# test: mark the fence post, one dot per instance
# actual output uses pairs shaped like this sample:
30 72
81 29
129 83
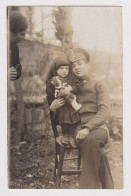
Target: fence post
19 111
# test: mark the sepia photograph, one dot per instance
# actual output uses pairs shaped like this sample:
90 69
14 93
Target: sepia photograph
65 97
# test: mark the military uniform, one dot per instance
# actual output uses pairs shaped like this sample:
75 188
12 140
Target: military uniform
94 114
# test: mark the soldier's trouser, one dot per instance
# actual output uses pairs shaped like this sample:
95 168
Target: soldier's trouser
96 172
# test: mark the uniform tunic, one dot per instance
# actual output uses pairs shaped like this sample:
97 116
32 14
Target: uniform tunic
96 107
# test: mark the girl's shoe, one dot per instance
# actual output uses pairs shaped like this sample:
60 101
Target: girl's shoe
65 140
72 141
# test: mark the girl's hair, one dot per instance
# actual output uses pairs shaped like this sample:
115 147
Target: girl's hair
58 62
61 61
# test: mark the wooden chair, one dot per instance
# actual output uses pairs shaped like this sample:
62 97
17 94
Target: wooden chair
60 151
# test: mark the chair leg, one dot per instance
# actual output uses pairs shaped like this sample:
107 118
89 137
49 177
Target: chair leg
60 164
57 152
56 167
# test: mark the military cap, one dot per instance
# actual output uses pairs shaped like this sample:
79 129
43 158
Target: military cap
76 54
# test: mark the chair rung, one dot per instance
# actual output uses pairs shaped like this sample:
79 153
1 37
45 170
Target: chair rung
73 158
71 172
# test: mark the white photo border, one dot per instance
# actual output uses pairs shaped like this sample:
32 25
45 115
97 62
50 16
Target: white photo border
126 16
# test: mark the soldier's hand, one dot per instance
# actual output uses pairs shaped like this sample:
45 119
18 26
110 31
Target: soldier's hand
82 133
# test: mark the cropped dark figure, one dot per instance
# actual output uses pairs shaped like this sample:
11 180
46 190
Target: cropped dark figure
67 115
91 132
17 30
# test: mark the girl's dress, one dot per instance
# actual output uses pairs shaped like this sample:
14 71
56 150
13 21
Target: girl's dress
65 114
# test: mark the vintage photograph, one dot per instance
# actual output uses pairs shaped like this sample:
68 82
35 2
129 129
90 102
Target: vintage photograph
65 89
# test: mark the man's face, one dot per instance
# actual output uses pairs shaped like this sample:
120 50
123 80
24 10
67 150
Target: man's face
17 37
80 68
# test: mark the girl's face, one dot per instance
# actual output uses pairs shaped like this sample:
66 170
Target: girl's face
63 71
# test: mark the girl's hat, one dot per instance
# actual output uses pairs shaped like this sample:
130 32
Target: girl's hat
60 61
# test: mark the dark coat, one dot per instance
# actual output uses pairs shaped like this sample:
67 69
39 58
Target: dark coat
14 60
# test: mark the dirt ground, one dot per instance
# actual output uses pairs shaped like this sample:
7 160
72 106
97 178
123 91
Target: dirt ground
32 165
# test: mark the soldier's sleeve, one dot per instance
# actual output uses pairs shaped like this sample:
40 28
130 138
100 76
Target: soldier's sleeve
104 107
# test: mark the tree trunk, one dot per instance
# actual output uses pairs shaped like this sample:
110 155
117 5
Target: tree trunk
63 26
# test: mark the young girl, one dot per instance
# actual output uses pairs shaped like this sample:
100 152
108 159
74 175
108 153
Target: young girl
67 115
